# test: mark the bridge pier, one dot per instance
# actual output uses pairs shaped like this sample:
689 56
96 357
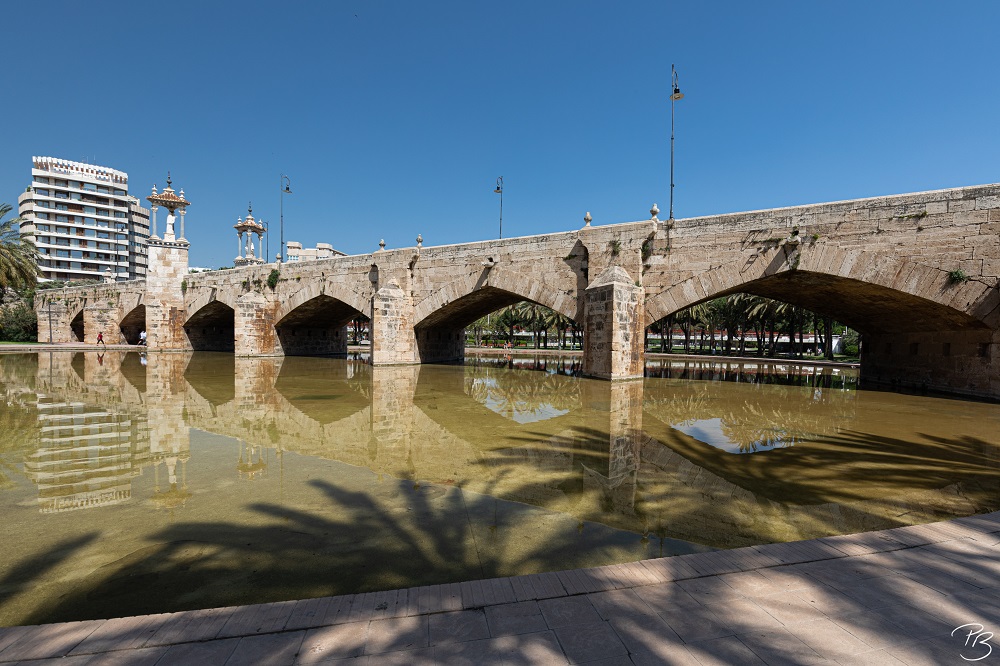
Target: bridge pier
53 321
254 325
394 341
613 327
99 317
166 281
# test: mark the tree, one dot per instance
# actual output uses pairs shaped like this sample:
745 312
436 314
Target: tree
18 255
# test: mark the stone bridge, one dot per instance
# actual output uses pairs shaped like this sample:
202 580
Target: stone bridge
916 274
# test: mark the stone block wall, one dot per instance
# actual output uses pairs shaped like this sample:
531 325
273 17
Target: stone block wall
613 327
964 362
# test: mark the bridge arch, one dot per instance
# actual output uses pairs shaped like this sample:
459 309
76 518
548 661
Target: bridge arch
314 326
868 292
77 328
212 328
132 324
336 292
466 299
204 297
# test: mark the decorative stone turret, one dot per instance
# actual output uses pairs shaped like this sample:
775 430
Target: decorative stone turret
166 274
246 254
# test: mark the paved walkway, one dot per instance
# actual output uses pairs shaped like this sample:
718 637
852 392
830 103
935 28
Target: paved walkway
889 597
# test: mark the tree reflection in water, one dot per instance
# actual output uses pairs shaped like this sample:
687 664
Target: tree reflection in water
404 475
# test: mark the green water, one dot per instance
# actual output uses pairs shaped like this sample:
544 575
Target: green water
137 485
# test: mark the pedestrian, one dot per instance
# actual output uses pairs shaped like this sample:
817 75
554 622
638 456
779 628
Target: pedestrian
142 338
100 339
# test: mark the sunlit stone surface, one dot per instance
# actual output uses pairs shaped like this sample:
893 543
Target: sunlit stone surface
138 485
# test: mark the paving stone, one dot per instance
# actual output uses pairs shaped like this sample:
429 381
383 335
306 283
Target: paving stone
140 657
744 615
121 633
10 635
645 633
789 609
667 598
49 640
874 629
827 600
208 652
83 660
708 590
829 639
267 650
522 617
458 626
451 597
873 658
696 623
487 651
567 611
337 641
617 604
748 583
781 646
402 633
307 613
583 642
724 651
503 591
419 657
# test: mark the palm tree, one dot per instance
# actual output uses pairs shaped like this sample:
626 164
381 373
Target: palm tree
18 254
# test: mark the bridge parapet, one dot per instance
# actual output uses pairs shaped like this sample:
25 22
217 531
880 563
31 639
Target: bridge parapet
921 263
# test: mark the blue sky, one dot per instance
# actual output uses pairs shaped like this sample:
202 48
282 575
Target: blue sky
395 118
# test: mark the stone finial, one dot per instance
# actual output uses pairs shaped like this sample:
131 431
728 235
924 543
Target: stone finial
653 212
587 219
277 258
381 245
420 240
108 278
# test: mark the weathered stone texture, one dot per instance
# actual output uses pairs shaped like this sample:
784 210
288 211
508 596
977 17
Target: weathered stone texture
881 265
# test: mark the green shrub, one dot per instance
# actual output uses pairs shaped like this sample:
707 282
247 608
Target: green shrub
272 279
18 323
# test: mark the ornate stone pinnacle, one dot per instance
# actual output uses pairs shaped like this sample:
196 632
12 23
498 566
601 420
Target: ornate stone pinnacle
654 211
381 245
420 240
587 218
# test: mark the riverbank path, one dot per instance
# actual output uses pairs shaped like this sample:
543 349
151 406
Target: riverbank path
926 594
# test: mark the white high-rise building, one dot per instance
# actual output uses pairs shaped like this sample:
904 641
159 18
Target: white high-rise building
84 222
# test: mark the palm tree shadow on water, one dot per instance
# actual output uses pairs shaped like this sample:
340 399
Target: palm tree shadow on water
352 544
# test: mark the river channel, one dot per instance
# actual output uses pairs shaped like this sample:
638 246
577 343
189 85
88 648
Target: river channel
133 484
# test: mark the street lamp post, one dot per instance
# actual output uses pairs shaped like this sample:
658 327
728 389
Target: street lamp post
499 191
285 186
675 95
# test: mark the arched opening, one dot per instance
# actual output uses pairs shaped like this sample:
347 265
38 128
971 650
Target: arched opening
76 327
212 328
317 327
133 324
441 336
905 340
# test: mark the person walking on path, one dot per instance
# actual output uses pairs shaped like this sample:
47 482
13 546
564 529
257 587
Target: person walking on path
100 339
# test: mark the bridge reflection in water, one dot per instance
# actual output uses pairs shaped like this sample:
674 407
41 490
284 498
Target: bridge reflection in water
134 485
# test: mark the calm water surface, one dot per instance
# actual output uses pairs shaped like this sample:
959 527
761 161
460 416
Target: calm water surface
132 485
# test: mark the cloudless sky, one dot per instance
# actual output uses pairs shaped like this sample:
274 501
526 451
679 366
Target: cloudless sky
395 118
